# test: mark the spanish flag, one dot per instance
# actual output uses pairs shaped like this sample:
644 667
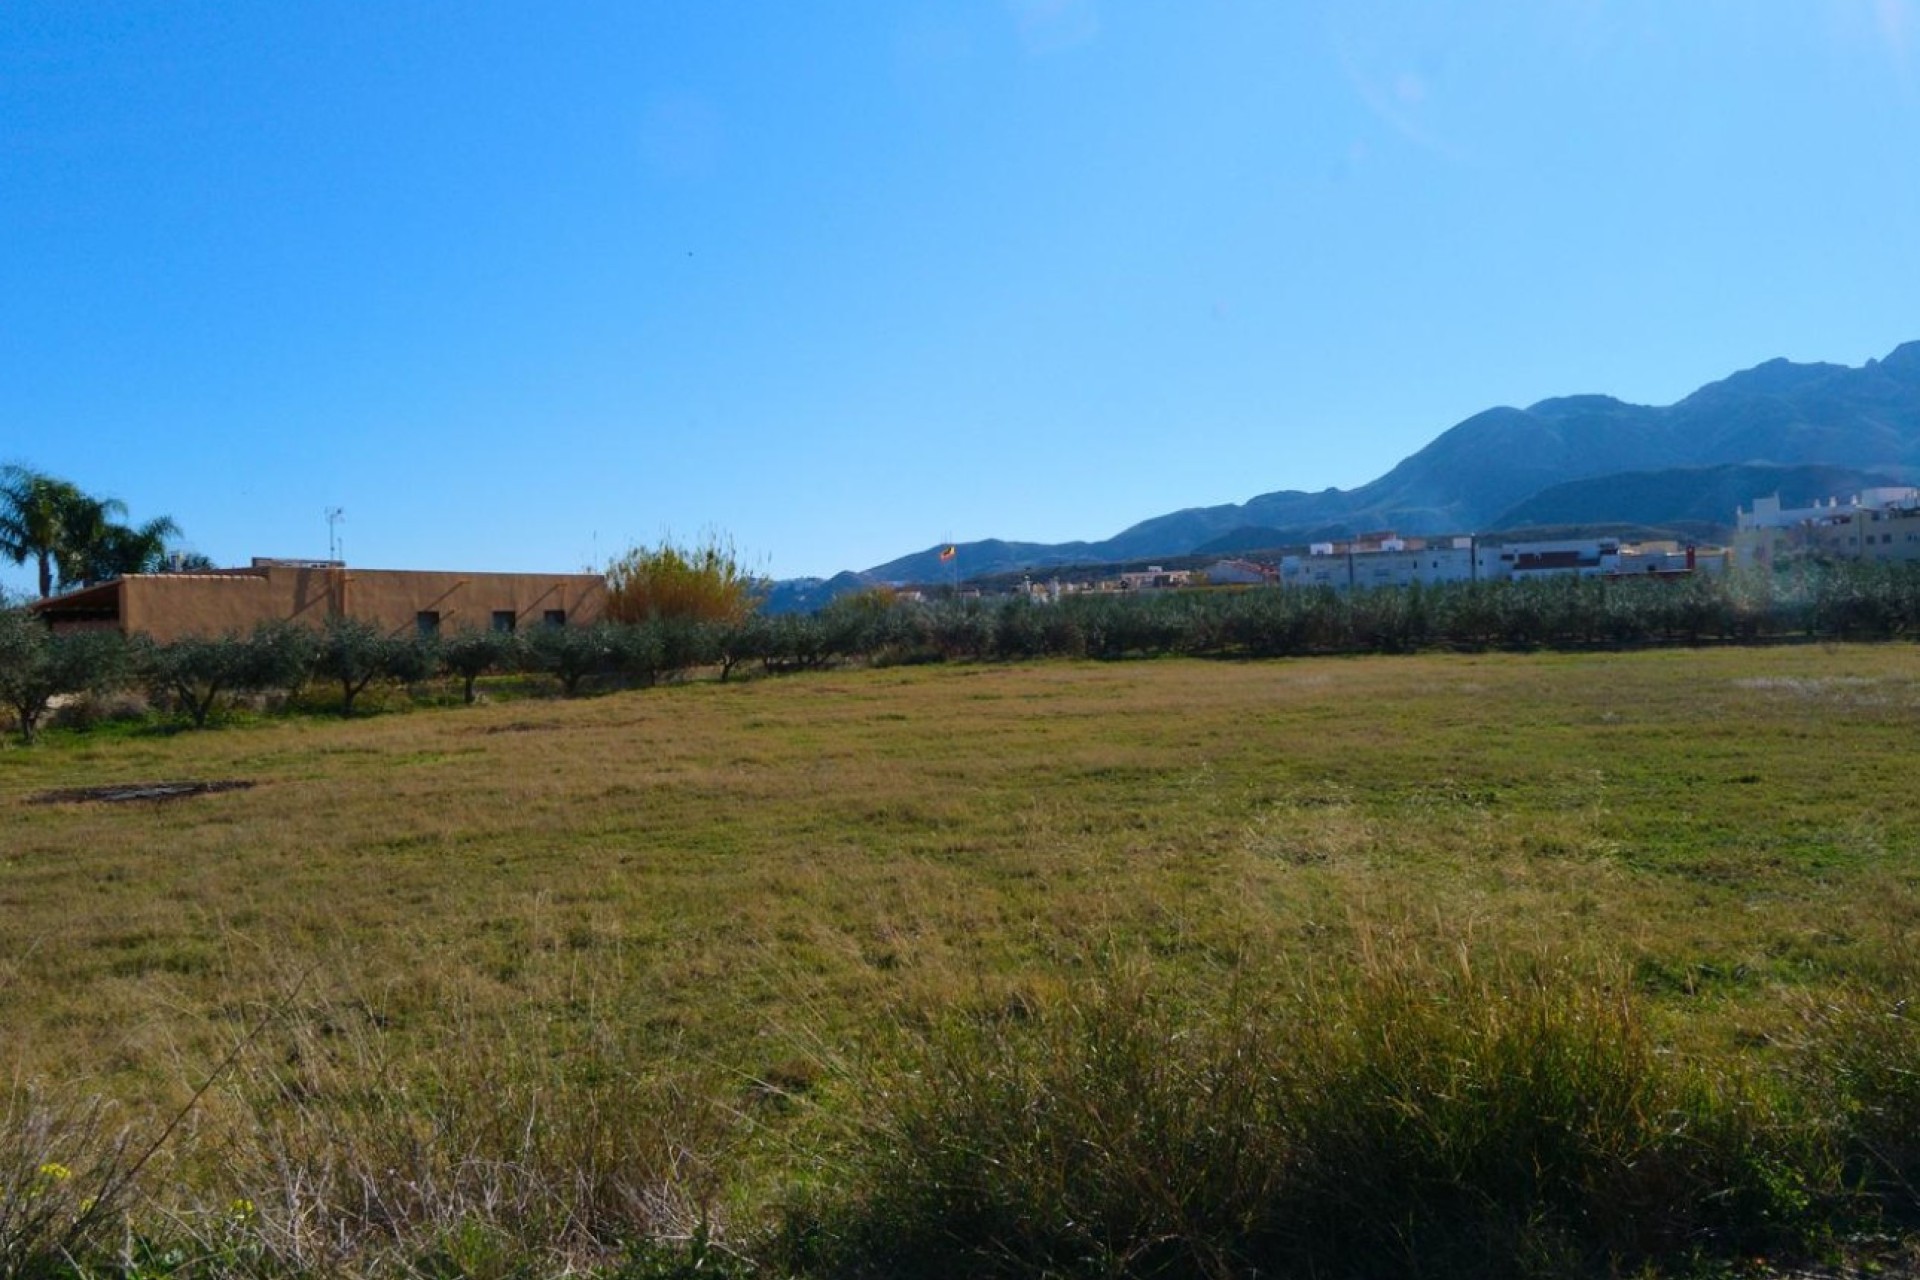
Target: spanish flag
948 553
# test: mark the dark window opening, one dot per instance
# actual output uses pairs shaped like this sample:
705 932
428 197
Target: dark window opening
556 617
428 623
504 620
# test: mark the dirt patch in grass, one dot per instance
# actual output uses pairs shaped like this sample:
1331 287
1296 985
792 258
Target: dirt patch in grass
123 792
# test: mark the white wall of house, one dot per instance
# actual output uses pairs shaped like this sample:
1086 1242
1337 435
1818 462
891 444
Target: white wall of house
1462 560
1880 524
1234 573
1399 568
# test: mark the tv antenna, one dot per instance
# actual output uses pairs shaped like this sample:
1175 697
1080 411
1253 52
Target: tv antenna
334 516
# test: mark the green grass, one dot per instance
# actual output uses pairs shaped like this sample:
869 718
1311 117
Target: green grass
698 923
1402 1117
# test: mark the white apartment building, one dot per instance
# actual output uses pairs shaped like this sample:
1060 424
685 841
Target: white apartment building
1880 524
1377 561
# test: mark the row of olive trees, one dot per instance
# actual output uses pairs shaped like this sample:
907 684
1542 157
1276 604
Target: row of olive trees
197 676
1845 602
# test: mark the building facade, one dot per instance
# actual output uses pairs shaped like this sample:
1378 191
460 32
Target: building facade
1876 524
1388 561
168 606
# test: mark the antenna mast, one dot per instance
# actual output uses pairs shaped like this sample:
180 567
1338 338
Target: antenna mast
334 516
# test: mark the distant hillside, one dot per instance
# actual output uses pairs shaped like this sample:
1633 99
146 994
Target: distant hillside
1707 495
1777 426
804 595
974 559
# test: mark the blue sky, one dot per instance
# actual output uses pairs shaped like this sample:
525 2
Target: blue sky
518 285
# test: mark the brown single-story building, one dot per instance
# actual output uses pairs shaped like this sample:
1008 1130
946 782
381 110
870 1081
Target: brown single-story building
215 602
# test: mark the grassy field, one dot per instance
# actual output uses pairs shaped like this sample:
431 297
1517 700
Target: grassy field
707 905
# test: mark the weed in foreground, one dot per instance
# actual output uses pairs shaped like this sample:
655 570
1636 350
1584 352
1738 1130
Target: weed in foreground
494 1157
1858 1064
1398 1120
63 1177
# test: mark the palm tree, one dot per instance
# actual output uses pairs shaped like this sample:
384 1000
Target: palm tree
85 528
35 509
53 523
113 550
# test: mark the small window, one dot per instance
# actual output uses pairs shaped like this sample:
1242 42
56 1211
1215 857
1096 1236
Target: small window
503 621
427 622
556 617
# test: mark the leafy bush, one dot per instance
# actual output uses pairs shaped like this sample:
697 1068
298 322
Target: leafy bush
704 582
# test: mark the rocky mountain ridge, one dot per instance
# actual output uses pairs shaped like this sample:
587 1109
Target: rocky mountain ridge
1777 426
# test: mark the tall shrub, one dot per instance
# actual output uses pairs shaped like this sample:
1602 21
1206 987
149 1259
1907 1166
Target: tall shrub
704 582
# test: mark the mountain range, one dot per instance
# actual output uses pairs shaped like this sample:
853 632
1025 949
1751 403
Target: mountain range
1803 430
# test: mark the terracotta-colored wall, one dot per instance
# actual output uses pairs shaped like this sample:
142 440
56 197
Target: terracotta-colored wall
168 606
393 599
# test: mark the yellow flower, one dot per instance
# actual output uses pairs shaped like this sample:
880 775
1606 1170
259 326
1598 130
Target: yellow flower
52 1172
241 1210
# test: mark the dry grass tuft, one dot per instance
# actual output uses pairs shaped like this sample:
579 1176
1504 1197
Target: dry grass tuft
1401 1115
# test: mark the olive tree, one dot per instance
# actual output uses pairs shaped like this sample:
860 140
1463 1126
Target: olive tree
37 666
571 654
471 652
748 640
195 672
354 654
278 656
